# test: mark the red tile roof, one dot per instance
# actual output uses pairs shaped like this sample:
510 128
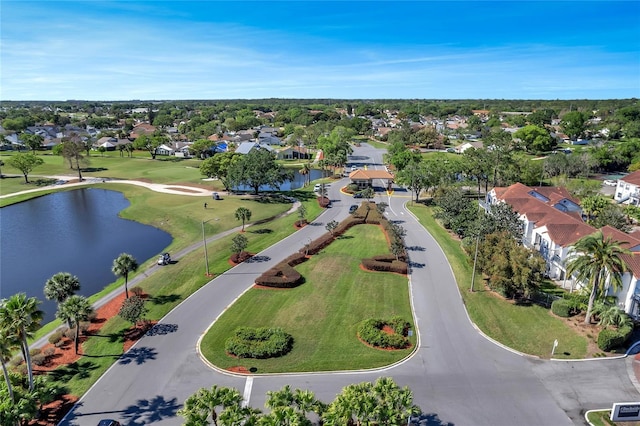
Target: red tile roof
633 178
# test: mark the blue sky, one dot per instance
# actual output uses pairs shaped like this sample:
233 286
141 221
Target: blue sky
123 50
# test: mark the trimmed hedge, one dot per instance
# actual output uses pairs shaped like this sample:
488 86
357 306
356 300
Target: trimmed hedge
283 275
264 342
609 338
561 308
370 331
385 263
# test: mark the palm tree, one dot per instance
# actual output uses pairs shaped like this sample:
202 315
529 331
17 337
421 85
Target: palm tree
305 171
202 405
122 266
596 261
75 309
20 316
243 214
7 344
60 286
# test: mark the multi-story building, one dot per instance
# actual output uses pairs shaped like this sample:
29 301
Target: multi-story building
553 222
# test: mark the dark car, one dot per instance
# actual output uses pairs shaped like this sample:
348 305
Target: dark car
357 195
108 422
353 208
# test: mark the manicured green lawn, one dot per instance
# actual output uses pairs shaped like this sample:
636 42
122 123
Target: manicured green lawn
529 329
171 285
322 314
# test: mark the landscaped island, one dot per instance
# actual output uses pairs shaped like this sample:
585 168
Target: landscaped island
322 314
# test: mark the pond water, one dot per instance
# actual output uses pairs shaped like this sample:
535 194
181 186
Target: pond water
296 183
75 231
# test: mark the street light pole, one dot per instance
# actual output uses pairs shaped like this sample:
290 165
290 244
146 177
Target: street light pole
206 255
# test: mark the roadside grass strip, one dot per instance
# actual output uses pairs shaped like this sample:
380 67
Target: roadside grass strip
528 329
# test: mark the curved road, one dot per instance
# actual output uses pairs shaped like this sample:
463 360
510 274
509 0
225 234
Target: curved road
458 376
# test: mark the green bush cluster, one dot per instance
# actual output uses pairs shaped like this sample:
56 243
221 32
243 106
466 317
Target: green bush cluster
561 308
385 263
370 331
264 342
611 338
56 336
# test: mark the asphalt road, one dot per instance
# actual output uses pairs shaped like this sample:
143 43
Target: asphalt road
458 376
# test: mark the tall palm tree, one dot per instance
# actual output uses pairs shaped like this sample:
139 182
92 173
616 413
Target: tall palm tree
7 344
60 286
75 309
595 260
243 214
305 171
122 266
20 316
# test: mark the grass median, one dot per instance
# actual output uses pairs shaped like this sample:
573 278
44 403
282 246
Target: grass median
322 314
528 329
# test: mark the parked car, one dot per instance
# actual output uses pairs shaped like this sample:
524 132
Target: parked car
357 195
164 259
108 422
353 208
610 182
354 168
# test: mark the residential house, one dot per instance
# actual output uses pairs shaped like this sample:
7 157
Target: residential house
110 143
553 222
294 153
628 189
178 149
246 147
465 146
142 129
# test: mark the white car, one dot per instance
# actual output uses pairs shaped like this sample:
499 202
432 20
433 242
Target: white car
610 182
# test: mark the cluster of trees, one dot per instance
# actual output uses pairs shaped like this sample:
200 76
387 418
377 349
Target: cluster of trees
20 397
381 402
493 241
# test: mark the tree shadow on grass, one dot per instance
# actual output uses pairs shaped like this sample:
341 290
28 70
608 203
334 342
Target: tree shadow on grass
261 231
165 298
80 369
138 355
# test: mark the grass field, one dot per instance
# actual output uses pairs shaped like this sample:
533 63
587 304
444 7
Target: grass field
529 329
323 313
171 285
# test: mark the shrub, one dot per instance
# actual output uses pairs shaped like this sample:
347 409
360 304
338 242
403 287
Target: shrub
561 308
324 202
70 333
49 352
38 359
137 291
248 342
385 263
56 336
609 339
35 351
370 331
